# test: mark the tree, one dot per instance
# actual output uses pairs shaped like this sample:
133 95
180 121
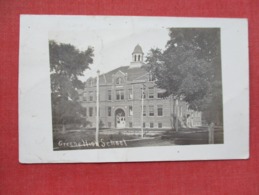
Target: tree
66 64
190 69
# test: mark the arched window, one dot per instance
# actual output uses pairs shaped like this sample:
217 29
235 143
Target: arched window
135 58
138 57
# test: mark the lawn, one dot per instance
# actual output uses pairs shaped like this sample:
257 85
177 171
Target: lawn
118 138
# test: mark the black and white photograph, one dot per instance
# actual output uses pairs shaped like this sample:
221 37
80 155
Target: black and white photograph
168 94
127 88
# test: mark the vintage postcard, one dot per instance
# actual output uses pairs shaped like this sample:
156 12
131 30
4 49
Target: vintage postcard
127 89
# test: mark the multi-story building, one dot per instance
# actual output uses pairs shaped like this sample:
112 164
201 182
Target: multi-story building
128 92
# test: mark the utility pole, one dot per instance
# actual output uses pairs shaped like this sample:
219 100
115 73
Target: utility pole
97 109
142 111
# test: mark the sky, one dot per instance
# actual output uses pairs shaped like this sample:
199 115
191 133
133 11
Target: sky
113 41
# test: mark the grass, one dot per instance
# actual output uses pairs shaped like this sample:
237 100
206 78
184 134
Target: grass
118 138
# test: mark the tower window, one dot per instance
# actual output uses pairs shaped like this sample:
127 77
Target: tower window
135 58
138 57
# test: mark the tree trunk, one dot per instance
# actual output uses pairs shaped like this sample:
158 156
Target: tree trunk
63 128
211 133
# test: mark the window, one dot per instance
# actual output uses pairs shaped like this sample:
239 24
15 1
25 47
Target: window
160 125
119 81
85 97
159 110
143 93
90 111
151 92
144 111
130 111
130 124
85 112
151 110
130 94
151 77
159 95
91 82
151 125
91 96
109 94
138 57
109 111
120 94
144 125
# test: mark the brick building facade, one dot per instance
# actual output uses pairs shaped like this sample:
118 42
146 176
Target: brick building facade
120 100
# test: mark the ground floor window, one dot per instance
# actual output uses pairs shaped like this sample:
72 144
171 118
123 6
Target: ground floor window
144 125
151 125
130 111
160 125
130 124
109 111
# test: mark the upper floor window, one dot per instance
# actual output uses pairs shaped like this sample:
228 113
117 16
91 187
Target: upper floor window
109 94
159 110
85 97
159 95
91 96
151 77
144 110
91 83
151 110
120 94
130 94
119 81
151 92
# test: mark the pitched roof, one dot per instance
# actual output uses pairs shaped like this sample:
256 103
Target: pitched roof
132 73
138 49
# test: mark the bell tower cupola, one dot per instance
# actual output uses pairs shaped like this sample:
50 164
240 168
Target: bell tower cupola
137 57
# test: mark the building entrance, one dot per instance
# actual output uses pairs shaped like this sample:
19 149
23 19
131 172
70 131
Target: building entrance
120 118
